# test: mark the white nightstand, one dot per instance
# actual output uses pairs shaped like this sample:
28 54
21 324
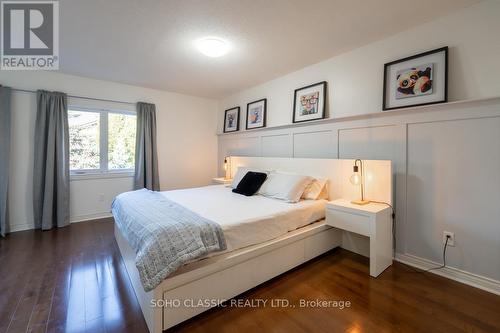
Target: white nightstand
221 180
372 220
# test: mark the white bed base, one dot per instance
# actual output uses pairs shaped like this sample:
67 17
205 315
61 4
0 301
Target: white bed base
227 275
230 274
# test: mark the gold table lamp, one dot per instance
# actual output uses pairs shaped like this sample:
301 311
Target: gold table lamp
357 178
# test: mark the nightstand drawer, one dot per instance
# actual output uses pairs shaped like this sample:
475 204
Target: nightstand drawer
357 223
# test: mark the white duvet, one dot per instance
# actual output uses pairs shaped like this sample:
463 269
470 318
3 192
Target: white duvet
245 220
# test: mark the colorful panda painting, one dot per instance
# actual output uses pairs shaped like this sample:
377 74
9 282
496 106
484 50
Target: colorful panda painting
415 81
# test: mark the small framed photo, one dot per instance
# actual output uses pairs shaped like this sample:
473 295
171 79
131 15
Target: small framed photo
256 114
309 102
421 79
232 120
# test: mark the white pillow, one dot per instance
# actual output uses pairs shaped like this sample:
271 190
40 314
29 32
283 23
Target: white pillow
315 190
241 172
323 194
288 187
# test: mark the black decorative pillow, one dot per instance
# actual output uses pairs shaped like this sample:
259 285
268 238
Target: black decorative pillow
250 183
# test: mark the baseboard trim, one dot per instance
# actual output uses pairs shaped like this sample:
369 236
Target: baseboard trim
88 217
474 280
21 227
73 219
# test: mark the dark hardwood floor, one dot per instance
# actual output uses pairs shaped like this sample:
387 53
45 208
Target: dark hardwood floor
73 280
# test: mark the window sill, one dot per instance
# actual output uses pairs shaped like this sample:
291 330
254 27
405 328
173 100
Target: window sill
107 175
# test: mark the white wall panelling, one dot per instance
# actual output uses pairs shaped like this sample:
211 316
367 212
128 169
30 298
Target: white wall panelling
457 143
249 146
276 145
315 144
453 184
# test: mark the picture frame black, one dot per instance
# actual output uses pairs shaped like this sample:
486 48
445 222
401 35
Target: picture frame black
264 114
322 115
444 49
226 112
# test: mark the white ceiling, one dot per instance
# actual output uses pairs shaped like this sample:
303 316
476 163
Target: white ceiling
150 43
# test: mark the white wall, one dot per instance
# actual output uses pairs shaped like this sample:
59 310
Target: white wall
187 144
445 157
355 78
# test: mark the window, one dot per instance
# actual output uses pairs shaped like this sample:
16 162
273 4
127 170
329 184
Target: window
101 141
121 141
84 130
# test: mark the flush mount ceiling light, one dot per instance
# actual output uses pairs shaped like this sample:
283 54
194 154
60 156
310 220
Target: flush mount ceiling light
212 47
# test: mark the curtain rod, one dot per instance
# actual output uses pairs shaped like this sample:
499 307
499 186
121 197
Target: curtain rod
80 97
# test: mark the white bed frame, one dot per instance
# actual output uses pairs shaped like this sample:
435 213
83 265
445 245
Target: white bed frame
225 276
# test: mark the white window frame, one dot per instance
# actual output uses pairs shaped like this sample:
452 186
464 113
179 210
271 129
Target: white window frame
103 171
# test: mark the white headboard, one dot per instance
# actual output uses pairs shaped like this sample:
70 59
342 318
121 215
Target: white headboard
378 174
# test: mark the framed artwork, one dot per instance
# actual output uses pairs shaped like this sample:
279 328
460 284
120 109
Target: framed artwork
256 114
421 79
309 102
232 120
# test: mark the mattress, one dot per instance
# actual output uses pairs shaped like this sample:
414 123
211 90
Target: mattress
245 220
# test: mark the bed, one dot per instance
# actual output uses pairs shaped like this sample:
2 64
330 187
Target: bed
264 237
248 220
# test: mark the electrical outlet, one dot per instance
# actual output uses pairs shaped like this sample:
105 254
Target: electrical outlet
101 197
451 239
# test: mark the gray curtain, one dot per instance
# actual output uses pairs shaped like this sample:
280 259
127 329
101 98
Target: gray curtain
51 167
146 161
4 156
